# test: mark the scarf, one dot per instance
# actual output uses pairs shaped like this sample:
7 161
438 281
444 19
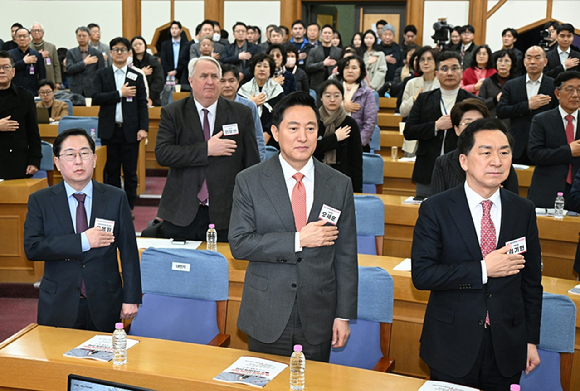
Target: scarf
271 89
38 46
280 71
331 122
349 93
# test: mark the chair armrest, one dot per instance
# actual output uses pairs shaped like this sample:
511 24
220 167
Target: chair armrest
221 340
385 364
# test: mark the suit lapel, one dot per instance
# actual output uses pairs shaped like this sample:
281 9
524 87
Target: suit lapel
191 116
544 87
509 216
321 191
275 187
60 204
461 215
99 201
221 115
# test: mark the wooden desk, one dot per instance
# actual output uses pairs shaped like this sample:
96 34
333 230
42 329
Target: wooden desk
387 105
34 360
389 121
48 132
14 266
390 138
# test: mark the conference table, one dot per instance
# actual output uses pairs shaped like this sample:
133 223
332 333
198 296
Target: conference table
33 360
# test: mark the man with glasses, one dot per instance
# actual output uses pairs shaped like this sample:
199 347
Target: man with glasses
240 52
430 120
82 63
76 228
49 54
123 117
28 63
19 138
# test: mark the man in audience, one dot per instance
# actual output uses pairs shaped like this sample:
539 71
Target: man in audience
509 37
95 42
203 160
322 59
172 59
217 34
430 120
410 33
123 117
206 30
524 97
286 36
551 26
467 47
28 63
240 52
392 51
9 45
277 35
253 35
302 277
230 84
563 58
379 28
554 145
82 64
20 150
49 54
264 45
312 34
482 322
302 45
82 287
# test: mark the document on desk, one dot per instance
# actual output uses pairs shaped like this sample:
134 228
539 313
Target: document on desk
431 385
575 290
253 371
99 348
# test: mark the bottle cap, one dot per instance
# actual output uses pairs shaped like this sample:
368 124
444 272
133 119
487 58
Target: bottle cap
515 387
119 325
297 348
560 194
212 226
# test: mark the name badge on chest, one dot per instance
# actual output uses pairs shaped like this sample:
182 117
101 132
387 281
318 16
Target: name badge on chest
518 246
131 76
231 130
330 214
105 225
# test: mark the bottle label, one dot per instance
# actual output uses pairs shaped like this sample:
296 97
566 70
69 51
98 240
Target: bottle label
518 246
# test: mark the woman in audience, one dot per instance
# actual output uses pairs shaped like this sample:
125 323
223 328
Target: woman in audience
150 67
56 108
339 143
206 46
299 74
481 68
359 101
405 71
425 82
492 87
263 91
374 60
447 172
336 39
281 75
357 41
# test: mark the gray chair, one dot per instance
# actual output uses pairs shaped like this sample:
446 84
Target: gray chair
373 169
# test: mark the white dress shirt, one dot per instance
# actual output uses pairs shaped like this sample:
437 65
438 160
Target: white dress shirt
72 206
564 55
533 87
120 74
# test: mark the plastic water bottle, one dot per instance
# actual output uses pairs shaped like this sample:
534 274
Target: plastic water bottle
94 135
211 238
515 387
297 365
559 207
119 345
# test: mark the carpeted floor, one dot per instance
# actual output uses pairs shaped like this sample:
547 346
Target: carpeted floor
15 314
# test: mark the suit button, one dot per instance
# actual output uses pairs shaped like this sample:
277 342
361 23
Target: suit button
83 266
299 260
481 322
293 285
489 295
284 261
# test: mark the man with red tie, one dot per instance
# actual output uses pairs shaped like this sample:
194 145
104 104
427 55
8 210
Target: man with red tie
554 145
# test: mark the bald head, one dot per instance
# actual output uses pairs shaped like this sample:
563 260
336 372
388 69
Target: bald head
535 61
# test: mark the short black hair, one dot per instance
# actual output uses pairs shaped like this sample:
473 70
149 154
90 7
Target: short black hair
16 25
381 21
276 30
175 22
299 98
551 23
470 104
118 40
83 28
420 53
290 48
343 63
298 21
469 28
57 145
240 24
258 30
92 25
467 137
564 77
506 52
46 82
328 82
510 30
231 68
258 58
327 26
314 24
447 55
5 54
197 29
565 27
410 28
281 48
207 21
286 31
485 47
23 28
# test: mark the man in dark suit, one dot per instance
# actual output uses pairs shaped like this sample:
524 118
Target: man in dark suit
20 150
293 218
175 53
82 63
554 145
467 48
482 322
203 160
76 228
240 52
322 59
123 116
563 58
430 120
524 97
28 63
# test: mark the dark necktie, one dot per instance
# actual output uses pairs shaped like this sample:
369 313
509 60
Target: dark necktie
203 194
570 137
299 202
488 241
82 226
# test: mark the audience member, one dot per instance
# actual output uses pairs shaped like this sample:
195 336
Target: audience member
276 36
218 34
336 39
298 73
313 34
173 61
379 28
524 97
301 44
563 58
82 64
9 45
203 160
339 144
393 55
430 122
454 43
56 108
264 45
206 30
409 33
322 59
286 36
95 42
240 52
49 54
28 63
150 67
492 87
82 287
425 82
19 138
312 288
374 60
403 72
552 27
358 39
480 69
509 37
467 48
253 35
281 75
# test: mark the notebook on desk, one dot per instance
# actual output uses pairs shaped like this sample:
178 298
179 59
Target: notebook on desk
81 383
42 115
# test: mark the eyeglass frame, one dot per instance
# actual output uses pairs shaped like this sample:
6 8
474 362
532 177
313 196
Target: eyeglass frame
88 155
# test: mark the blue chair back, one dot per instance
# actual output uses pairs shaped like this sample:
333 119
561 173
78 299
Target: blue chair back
47 162
270 151
70 106
556 336
373 169
375 306
313 95
180 288
375 143
370 222
86 123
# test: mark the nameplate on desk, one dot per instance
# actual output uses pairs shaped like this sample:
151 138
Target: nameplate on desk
182 267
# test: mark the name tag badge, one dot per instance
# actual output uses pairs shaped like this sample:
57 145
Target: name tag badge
330 214
105 225
518 245
182 267
129 99
230 130
132 76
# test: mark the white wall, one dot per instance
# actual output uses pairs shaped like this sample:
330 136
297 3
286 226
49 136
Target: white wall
567 11
256 13
456 12
515 14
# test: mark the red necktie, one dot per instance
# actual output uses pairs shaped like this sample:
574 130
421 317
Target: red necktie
299 202
570 137
462 51
203 194
488 241
82 226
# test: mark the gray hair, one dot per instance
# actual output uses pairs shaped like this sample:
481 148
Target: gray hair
41 26
194 61
83 28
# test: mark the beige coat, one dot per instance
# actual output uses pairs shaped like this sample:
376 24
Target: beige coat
376 71
53 72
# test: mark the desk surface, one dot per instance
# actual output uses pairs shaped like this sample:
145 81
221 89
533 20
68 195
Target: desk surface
34 360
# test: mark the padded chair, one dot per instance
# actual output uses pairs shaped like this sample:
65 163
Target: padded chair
556 348
370 224
69 104
375 143
86 123
46 169
370 334
185 296
373 169
271 151
314 95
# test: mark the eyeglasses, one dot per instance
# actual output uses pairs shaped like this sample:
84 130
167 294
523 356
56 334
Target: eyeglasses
45 92
119 50
453 69
571 90
331 97
70 156
37 30
426 60
7 68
